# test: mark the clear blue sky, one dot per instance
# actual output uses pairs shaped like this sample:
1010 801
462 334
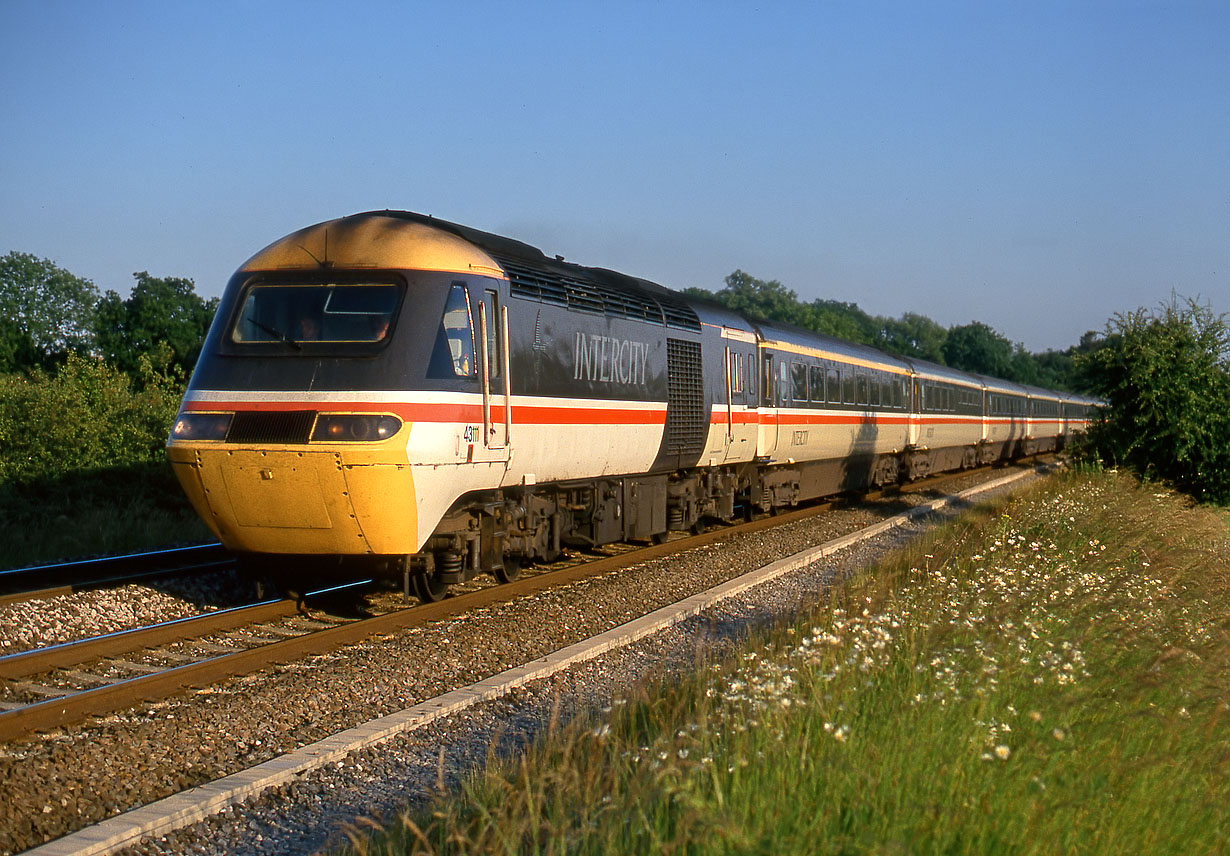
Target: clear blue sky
1034 165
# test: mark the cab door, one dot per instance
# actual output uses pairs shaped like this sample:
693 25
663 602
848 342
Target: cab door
915 403
494 375
741 413
770 413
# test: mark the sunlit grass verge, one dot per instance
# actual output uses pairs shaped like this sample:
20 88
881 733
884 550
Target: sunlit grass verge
1048 676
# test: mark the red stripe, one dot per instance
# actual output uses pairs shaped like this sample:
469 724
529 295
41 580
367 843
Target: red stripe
738 417
527 414
451 413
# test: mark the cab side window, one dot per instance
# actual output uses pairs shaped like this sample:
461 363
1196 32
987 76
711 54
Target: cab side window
453 355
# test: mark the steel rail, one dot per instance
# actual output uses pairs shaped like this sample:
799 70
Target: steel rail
77 705
196 549
81 651
81 574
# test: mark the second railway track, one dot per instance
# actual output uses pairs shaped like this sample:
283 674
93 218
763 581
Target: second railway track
47 687
18 585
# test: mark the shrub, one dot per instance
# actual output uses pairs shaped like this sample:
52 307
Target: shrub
87 415
1165 376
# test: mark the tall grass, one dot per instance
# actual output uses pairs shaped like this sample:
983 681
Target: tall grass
1047 676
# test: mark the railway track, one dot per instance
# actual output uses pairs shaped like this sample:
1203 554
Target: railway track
18 585
47 687
50 687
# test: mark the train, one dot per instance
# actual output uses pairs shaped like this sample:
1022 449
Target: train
427 400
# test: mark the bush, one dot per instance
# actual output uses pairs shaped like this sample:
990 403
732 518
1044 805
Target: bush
1165 376
82 463
86 416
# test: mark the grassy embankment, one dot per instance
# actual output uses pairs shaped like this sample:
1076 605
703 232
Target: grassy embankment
100 512
1050 675
82 465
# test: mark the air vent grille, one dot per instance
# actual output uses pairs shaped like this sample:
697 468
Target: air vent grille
687 423
597 297
286 426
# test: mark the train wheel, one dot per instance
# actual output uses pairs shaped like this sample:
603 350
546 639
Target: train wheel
430 588
510 570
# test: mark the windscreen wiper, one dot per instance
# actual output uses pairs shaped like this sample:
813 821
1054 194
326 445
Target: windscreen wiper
276 333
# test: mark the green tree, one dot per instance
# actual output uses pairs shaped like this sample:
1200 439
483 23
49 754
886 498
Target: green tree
766 300
913 335
1024 366
842 320
45 312
1080 375
1165 376
975 347
1055 369
158 311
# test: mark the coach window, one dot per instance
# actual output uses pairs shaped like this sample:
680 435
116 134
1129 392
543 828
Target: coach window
798 382
834 386
734 368
783 382
817 384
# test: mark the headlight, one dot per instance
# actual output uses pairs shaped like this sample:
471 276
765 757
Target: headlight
201 426
354 429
